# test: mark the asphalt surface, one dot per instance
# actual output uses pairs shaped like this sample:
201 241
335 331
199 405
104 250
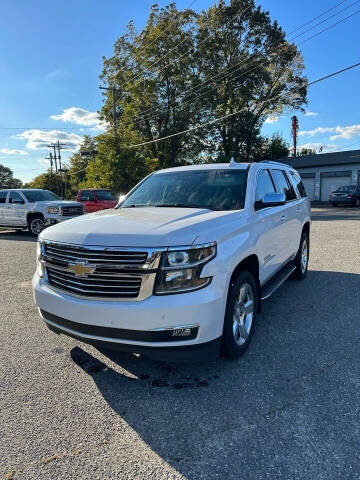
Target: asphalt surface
288 409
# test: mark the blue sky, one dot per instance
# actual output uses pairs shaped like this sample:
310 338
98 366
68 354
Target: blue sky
51 56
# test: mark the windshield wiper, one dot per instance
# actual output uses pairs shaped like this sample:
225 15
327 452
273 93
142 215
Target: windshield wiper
184 205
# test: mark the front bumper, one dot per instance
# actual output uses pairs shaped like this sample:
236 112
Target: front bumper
135 326
342 201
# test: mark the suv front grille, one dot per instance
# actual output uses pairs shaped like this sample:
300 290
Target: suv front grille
109 273
71 211
99 256
95 285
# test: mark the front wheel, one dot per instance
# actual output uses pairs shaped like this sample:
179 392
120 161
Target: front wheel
36 225
240 315
302 258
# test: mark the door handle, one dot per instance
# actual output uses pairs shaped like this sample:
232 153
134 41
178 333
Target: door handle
298 210
283 218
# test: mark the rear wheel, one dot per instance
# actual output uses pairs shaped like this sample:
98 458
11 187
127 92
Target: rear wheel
36 225
240 315
302 258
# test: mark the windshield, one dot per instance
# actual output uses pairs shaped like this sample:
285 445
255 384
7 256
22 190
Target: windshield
346 188
104 195
210 189
39 195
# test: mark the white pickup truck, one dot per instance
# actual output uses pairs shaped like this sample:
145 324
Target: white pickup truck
178 270
34 209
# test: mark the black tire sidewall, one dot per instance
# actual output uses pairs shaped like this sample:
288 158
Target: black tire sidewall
229 348
299 274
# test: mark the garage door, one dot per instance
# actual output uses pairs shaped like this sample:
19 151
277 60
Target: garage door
329 184
309 184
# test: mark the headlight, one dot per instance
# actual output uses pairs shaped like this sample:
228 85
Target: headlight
53 209
180 269
39 269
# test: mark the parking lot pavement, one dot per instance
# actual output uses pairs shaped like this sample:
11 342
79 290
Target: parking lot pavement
288 409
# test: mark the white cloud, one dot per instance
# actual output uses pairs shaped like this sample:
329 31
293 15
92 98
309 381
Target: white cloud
316 131
40 139
272 119
311 114
346 132
317 146
80 116
13 152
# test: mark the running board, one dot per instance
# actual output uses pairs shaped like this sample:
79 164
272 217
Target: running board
277 280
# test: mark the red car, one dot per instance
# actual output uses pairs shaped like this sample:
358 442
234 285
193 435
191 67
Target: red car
96 199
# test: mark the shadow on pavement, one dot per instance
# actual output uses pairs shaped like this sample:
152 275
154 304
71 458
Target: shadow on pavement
20 236
335 213
221 418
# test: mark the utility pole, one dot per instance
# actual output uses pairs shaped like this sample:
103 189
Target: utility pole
114 98
294 132
57 147
50 158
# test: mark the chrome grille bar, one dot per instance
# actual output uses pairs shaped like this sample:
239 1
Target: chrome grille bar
108 273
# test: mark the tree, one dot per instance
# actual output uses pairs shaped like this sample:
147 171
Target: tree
45 181
7 179
257 73
306 151
274 148
116 168
184 69
79 163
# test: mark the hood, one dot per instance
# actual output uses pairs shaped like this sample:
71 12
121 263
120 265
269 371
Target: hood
141 227
58 203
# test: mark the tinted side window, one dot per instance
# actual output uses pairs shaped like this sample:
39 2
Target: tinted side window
15 197
283 185
264 185
87 196
3 194
299 184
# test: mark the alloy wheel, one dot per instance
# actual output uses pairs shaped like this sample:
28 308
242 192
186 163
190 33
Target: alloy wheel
304 255
243 314
37 226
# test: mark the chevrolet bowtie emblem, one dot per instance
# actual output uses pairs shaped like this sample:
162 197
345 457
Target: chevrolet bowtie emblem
81 269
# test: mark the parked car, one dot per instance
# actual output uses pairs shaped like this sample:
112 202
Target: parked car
346 195
34 209
95 199
180 268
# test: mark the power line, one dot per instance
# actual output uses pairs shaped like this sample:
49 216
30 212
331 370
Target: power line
185 53
195 127
333 74
222 76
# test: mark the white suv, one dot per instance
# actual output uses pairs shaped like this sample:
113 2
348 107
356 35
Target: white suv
34 209
178 270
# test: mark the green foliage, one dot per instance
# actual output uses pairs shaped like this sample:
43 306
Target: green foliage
7 179
273 148
306 151
249 68
116 168
78 165
45 181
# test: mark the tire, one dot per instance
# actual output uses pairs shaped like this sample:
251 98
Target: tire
36 225
357 203
302 258
238 325
334 204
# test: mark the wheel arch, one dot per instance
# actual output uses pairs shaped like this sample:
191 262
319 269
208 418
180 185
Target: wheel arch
250 264
306 228
31 215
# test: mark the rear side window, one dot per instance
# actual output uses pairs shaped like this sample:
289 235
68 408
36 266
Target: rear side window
87 196
299 184
3 194
282 184
15 197
264 185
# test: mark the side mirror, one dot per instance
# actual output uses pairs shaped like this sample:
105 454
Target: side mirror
273 200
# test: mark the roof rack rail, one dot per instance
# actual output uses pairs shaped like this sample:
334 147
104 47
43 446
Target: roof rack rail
275 163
